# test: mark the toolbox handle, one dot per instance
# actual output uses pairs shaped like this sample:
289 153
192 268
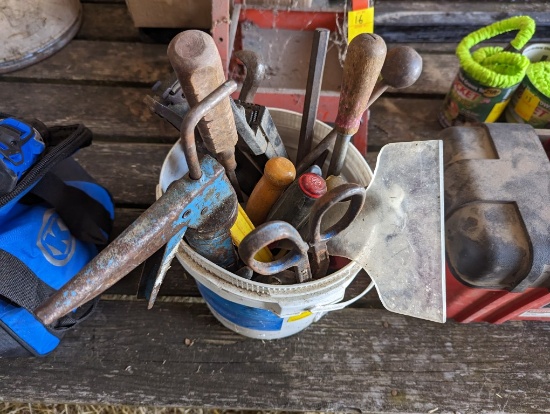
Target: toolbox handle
341 305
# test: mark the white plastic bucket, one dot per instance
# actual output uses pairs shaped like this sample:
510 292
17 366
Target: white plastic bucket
260 310
32 30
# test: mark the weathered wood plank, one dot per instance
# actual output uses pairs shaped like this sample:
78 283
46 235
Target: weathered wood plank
129 171
118 113
107 22
92 61
138 63
401 119
111 112
438 13
351 360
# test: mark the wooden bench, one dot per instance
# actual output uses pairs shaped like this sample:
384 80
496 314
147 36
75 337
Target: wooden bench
362 358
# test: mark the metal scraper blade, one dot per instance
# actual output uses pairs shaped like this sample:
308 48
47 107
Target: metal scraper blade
398 237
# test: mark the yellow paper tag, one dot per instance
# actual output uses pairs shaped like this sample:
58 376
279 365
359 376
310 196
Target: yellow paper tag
360 21
527 104
496 111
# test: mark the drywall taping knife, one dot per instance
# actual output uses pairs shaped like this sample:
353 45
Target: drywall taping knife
188 202
398 237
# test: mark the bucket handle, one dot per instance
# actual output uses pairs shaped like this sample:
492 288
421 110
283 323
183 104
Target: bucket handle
341 305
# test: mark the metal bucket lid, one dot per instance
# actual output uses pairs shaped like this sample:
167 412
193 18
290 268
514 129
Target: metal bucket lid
35 29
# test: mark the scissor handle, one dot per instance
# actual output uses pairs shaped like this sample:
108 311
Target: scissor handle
353 192
270 232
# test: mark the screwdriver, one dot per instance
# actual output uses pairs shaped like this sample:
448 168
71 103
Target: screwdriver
402 68
195 59
296 202
364 60
279 173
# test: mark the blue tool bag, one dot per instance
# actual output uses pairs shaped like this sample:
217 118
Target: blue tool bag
54 218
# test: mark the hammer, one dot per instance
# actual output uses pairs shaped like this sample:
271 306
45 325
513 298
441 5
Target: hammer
402 68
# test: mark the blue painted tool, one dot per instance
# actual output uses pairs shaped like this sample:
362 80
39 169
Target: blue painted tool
188 202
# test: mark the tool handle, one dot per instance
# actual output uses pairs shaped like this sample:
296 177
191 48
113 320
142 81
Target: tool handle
241 228
355 193
198 66
364 60
271 232
279 173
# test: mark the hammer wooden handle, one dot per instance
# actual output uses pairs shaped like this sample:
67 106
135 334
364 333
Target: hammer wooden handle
198 66
279 173
364 60
402 68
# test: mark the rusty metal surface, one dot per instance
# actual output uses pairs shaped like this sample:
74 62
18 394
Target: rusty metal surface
313 91
398 236
271 232
179 206
317 238
192 118
190 201
255 74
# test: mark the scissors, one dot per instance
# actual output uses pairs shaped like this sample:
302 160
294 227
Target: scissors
308 258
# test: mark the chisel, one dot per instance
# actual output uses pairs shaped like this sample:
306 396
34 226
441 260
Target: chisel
198 66
364 60
313 91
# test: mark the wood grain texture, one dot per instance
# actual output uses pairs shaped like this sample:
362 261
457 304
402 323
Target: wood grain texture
110 112
101 62
135 64
107 22
417 120
351 360
130 171
434 13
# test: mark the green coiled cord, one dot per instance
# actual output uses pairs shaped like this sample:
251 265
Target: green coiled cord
539 75
494 66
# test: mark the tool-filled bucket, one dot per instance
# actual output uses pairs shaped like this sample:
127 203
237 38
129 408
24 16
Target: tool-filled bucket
260 310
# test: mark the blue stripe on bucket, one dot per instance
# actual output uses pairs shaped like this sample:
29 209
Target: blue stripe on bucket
245 316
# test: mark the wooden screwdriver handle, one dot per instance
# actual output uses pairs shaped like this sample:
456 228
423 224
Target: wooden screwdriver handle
364 60
279 173
198 66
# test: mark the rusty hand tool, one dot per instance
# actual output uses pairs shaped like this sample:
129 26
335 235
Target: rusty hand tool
294 205
402 68
315 243
255 74
313 91
271 232
190 201
198 66
257 132
279 173
364 60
